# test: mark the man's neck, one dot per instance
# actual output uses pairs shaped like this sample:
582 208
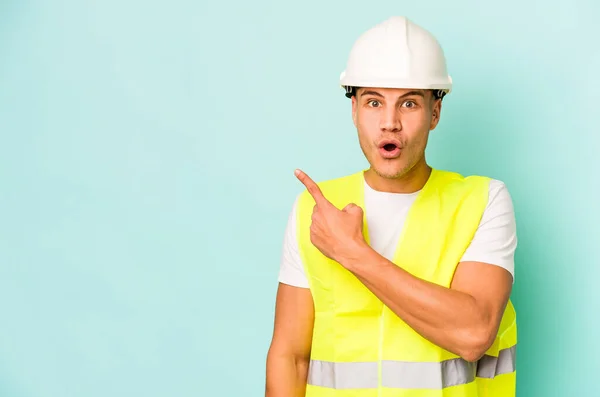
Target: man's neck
411 182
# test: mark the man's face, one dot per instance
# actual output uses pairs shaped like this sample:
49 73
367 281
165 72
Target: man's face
393 127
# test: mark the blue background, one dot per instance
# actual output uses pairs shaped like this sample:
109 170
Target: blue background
147 152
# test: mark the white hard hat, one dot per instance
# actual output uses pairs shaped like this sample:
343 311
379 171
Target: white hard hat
397 53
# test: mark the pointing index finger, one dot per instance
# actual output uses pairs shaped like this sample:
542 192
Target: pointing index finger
312 188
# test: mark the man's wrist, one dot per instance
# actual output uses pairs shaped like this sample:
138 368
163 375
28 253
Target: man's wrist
357 256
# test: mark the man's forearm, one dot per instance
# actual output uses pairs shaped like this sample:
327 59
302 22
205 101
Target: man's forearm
286 376
451 319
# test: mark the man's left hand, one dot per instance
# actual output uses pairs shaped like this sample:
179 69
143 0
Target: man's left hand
338 234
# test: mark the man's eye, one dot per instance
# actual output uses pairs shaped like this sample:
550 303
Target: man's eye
373 103
410 104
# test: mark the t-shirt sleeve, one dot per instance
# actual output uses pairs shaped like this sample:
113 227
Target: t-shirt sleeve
291 270
495 240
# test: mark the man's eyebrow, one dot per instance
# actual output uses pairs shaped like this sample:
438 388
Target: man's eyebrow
409 93
371 92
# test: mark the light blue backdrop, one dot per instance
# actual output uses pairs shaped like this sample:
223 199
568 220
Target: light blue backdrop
147 152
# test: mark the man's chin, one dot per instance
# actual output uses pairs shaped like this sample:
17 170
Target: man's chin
390 170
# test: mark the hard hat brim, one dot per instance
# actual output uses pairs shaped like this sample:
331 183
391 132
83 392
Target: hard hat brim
445 84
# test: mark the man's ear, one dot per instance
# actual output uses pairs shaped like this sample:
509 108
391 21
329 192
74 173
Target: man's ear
354 106
435 114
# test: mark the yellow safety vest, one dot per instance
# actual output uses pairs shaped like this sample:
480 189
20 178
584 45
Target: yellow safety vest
360 347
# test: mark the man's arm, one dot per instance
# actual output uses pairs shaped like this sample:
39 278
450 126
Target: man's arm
289 353
465 318
462 319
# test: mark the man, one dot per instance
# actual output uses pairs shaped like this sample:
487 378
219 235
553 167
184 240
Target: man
395 281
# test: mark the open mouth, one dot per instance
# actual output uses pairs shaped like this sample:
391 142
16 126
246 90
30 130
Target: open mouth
390 147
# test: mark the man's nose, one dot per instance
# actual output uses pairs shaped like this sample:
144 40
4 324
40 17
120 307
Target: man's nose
390 120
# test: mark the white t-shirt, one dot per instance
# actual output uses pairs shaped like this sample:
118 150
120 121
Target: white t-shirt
494 242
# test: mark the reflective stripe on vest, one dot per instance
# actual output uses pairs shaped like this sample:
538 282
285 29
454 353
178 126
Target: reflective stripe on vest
409 375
